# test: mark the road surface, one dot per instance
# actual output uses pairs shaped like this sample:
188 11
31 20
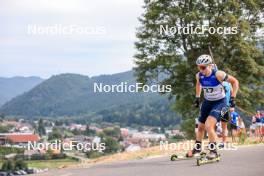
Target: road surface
246 161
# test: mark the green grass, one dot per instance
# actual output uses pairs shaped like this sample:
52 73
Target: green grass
51 164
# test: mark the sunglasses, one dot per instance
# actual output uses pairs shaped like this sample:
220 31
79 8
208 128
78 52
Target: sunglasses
202 67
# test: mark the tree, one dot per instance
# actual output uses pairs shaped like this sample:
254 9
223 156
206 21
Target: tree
48 154
55 134
111 145
41 127
76 131
169 58
89 131
5 129
58 123
112 132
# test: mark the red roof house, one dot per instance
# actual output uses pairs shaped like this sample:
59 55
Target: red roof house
22 138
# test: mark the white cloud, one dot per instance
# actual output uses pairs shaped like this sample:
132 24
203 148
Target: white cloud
46 55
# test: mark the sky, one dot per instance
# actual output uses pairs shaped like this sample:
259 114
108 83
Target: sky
101 41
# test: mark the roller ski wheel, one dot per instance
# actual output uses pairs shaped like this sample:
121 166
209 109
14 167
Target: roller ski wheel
174 157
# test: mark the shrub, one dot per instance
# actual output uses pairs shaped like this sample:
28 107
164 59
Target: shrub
20 165
8 165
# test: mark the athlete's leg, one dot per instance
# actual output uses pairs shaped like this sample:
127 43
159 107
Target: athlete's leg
224 120
199 137
200 132
204 112
258 130
234 134
210 128
224 131
214 117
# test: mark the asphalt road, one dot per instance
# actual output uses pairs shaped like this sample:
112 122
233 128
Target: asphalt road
246 161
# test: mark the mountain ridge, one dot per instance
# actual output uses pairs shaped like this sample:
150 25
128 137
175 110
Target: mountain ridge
11 87
71 95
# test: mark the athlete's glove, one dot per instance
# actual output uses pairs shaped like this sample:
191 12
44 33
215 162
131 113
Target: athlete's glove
232 102
197 102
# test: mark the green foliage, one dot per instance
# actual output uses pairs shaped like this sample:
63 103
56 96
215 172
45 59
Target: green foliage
175 139
76 131
41 128
11 165
47 156
9 150
188 126
93 154
5 128
112 132
58 123
111 145
8 165
111 137
20 165
156 113
89 132
55 134
72 95
9 87
174 55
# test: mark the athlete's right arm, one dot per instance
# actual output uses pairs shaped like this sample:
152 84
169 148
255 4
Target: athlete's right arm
198 88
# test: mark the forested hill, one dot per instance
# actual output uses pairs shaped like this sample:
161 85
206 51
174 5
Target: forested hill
73 95
14 86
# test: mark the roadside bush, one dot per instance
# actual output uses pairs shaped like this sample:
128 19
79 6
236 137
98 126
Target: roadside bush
20 165
8 150
11 165
48 156
8 165
93 154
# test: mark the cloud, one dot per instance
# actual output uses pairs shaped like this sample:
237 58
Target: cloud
44 56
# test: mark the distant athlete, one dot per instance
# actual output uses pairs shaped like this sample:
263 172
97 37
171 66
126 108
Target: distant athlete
214 105
258 124
262 127
234 123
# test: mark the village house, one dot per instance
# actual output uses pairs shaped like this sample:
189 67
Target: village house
150 136
175 132
18 139
77 127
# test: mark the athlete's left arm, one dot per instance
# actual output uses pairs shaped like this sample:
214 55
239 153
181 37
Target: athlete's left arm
222 76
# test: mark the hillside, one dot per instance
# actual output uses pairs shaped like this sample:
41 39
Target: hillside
73 95
12 87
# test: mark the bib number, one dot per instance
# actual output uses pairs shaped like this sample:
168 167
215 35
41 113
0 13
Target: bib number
209 90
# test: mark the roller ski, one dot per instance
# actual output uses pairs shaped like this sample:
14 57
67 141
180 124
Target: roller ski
189 155
212 157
